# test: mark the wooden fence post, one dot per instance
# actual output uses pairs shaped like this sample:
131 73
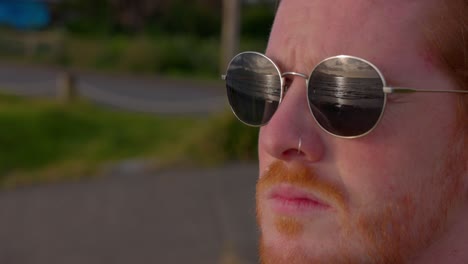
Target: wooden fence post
230 34
66 87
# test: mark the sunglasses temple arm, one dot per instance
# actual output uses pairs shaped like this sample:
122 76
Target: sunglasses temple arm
388 90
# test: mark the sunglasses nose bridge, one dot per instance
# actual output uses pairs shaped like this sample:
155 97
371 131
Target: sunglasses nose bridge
283 76
295 74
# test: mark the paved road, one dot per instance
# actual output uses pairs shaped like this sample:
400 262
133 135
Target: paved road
173 216
146 94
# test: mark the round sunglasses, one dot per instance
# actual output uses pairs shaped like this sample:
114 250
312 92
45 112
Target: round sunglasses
346 94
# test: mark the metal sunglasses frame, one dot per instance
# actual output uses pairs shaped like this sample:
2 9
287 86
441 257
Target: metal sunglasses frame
385 89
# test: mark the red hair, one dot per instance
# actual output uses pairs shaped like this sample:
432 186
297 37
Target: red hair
448 36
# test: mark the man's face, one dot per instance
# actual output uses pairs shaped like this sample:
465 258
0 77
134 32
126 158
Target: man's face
381 198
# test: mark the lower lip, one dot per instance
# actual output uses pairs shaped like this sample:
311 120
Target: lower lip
296 206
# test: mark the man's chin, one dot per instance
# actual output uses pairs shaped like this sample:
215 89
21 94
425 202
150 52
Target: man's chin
278 249
287 239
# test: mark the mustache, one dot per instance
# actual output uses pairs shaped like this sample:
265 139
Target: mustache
301 176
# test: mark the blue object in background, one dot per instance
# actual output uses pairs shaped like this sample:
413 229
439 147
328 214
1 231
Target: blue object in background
24 14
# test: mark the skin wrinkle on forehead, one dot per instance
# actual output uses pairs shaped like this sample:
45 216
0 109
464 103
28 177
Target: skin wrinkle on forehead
294 55
293 58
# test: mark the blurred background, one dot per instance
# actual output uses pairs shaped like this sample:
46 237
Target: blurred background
117 144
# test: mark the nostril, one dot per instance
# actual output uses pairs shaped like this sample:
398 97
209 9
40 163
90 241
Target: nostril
293 153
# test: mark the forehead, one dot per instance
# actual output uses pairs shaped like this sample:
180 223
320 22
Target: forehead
307 31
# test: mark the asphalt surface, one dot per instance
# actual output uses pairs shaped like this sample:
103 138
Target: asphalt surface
182 215
136 93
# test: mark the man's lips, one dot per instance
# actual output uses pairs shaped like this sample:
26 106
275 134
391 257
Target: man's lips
292 200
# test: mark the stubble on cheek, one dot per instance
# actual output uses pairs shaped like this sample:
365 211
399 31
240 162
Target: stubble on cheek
400 230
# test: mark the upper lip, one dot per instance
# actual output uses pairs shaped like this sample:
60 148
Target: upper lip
291 192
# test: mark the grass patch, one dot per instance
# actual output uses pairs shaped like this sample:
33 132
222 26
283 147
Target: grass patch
225 138
44 141
40 136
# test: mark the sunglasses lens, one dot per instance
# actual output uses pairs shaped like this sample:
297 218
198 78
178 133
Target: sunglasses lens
346 96
253 85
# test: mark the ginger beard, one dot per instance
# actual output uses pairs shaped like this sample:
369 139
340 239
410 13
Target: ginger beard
393 232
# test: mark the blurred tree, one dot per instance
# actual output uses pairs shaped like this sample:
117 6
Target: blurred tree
257 19
198 17
132 15
86 16
202 18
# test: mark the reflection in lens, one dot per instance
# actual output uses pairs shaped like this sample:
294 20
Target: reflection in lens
254 88
346 96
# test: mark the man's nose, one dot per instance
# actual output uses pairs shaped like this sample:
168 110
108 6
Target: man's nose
292 132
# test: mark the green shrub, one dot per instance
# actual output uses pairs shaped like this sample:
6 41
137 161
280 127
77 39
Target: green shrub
37 134
111 52
140 54
225 139
188 18
257 21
